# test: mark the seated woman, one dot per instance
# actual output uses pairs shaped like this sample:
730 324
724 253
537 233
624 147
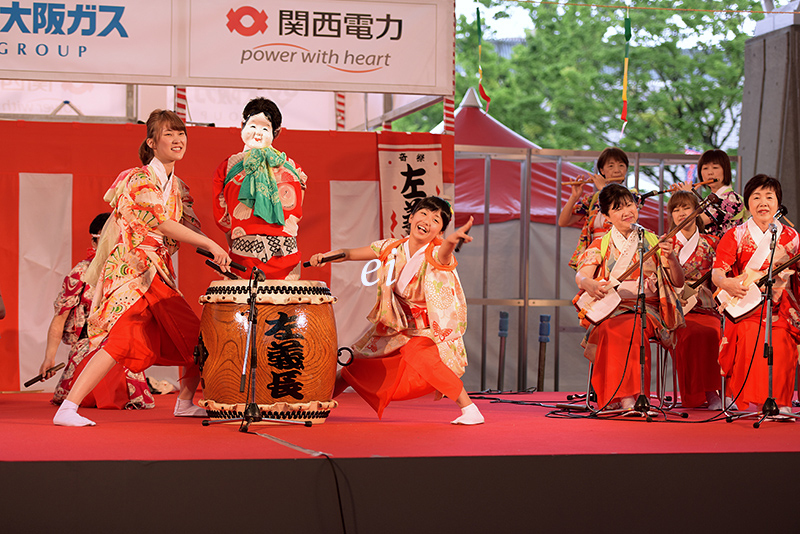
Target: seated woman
697 344
746 250
613 344
612 166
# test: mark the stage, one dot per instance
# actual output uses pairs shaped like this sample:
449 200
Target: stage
522 471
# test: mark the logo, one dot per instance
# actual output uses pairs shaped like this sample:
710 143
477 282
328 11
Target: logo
235 24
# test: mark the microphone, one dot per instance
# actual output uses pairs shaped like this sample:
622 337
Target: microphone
259 275
645 196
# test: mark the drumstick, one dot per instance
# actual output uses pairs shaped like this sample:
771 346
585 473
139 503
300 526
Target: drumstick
207 254
39 378
229 275
325 259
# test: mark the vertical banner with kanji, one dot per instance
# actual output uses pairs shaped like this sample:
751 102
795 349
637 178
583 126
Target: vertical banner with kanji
408 171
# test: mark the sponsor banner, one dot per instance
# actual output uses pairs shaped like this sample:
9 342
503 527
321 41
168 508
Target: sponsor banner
119 37
403 46
408 172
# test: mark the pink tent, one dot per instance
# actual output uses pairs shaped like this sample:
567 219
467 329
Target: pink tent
474 127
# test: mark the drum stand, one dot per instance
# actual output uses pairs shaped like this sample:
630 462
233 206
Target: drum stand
770 408
252 413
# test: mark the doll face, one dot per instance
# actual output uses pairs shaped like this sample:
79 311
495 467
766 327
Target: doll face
257 132
425 225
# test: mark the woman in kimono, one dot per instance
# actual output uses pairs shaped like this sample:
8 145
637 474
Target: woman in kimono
715 166
415 345
138 317
697 344
613 343
744 252
120 388
612 166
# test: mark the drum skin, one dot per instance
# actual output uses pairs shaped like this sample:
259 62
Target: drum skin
296 352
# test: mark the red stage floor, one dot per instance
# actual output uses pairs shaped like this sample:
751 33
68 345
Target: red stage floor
410 429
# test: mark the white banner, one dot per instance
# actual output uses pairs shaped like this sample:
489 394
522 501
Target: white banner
408 173
402 46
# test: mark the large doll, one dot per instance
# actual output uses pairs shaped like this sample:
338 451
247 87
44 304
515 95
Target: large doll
258 197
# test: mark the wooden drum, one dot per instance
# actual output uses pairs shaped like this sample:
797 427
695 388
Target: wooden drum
295 343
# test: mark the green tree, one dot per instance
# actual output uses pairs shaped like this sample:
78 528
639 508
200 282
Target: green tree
563 87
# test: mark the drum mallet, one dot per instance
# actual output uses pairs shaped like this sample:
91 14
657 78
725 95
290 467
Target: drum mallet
326 259
234 265
544 338
501 358
40 378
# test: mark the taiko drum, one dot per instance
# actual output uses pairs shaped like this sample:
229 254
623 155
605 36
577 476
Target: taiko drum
295 346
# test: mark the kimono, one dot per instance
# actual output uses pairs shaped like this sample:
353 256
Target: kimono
697 344
120 388
415 345
730 212
741 350
138 315
596 224
613 344
258 200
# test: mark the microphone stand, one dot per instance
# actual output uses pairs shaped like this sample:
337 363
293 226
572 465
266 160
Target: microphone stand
252 413
770 406
642 405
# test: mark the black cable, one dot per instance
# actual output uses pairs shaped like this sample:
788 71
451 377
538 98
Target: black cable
338 491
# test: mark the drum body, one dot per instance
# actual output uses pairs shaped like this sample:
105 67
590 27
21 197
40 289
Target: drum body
295 349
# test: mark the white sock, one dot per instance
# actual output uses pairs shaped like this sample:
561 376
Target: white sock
470 415
67 415
186 408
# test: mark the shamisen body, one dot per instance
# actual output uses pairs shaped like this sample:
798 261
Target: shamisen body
415 345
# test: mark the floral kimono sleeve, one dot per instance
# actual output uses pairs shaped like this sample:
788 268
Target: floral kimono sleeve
140 206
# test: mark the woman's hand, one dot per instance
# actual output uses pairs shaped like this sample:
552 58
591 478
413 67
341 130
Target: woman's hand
596 288
47 364
221 257
461 233
733 286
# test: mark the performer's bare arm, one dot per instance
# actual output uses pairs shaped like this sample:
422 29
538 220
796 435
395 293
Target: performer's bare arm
451 241
54 333
181 233
732 285
350 254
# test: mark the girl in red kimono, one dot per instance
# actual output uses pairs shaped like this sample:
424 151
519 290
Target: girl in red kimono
613 344
697 344
138 317
415 345
742 251
612 166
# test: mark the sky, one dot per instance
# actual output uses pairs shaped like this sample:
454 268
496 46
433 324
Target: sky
514 26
